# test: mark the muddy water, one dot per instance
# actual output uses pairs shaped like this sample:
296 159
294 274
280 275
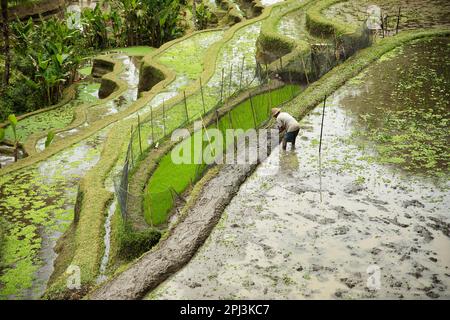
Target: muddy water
380 231
415 13
293 25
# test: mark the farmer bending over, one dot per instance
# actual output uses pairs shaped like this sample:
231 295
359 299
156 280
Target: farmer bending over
286 122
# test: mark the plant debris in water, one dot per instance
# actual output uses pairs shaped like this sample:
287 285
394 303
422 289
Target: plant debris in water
405 113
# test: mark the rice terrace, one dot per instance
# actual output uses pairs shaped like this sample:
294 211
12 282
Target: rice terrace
224 150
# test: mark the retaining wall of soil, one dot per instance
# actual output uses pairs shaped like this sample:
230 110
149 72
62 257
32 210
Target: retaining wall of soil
183 240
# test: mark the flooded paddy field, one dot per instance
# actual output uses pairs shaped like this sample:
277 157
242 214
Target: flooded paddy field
38 205
57 118
372 221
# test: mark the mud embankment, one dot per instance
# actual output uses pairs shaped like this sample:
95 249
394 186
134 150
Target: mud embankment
185 238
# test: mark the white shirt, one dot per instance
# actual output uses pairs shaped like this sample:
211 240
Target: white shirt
288 122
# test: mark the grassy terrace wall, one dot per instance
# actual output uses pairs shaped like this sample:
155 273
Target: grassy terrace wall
298 58
352 37
272 45
86 242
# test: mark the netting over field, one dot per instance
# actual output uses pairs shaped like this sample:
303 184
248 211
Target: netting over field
170 180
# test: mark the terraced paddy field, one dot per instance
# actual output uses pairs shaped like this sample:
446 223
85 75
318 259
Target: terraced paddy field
381 229
375 207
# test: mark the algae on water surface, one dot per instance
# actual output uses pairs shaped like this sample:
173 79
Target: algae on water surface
37 206
405 109
57 118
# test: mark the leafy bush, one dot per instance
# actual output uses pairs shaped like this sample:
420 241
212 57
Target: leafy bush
134 244
203 16
20 97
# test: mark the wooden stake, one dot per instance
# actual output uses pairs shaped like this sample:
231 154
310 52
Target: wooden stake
185 106
320 149
203 98
398 21
321 128
242 72
304 69
131 141
164 119
151 122
139 133
229 85
221 88
230 119
253 110
290 82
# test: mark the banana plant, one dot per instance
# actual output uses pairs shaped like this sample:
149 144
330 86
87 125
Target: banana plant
13 123
49 139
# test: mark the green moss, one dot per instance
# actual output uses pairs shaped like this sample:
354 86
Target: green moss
85 71
405 112
186 57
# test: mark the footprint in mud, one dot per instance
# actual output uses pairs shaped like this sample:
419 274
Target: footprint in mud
345 214
424 232
353 188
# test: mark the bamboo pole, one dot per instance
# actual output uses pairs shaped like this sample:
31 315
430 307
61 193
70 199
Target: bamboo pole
185 106
229 84
139 133
131 141
320 148
270 99
151 123
253 110
164 119
221 88
290 82
217 120
398 20
203 97
230 119
242 72
304 69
